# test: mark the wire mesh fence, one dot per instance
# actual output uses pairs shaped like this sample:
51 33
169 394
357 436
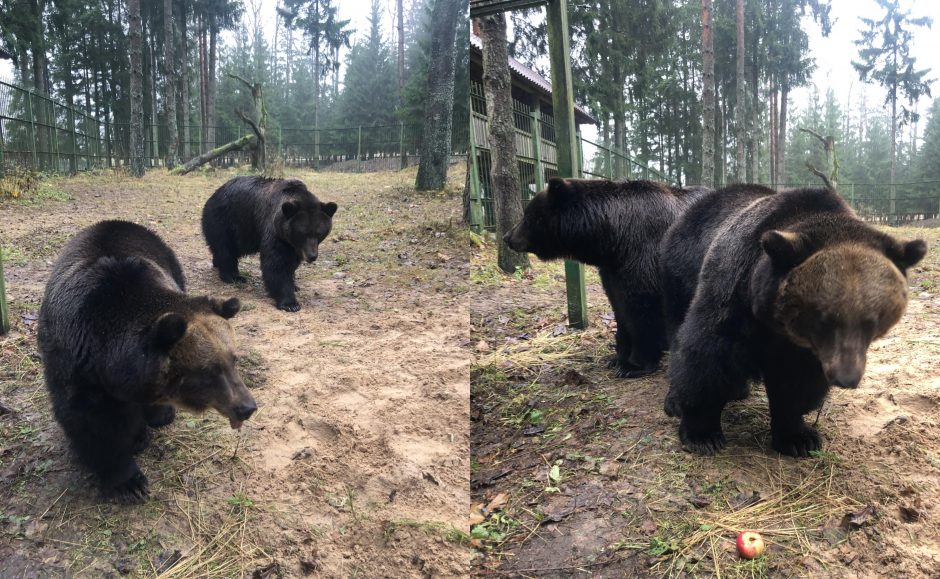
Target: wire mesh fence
43 134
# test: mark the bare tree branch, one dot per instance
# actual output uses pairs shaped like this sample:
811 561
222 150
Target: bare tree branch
821 175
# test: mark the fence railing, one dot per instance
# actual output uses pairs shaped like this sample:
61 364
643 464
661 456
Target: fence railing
46 135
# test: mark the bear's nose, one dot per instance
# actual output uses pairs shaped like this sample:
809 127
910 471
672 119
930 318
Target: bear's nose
244 411
845 378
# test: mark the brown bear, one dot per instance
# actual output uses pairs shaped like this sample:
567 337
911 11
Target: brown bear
616 227
280 218
123 346
789 288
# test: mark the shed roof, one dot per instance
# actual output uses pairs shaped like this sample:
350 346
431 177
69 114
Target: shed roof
532 79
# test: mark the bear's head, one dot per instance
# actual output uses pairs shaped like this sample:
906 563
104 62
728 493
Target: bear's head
540 231
305 221
835 299
199 360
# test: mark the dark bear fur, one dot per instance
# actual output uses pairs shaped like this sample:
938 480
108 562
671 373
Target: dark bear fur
789 288
616 227
123 346
279 218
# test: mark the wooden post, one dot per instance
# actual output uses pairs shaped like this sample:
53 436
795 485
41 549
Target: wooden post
4 310
476 203
32 127
537 148
563 110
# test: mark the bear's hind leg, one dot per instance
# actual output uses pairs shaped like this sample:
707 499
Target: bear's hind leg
648 329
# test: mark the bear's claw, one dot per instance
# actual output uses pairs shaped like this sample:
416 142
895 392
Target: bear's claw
132 491
705 442
289 306
798 443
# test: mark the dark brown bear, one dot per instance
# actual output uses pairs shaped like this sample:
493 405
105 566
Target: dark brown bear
280 218
123 346
789 288
617 228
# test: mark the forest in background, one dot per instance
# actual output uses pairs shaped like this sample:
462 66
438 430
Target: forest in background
316 70
638 66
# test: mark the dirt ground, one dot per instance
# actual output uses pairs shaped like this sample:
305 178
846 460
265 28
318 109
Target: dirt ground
577 473
357 461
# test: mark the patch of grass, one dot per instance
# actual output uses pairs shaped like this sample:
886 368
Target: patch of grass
14 256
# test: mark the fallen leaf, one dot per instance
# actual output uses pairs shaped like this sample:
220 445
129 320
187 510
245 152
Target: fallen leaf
482 346
476 514
497 502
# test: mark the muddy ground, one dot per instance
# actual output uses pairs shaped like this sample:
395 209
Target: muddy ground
577 473
357 461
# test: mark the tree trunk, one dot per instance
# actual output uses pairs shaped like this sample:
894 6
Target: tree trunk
740 170
782 137
202 85
754 133
401 50
438 117
136 89
708 97
211 84
169 80
186 102
504 170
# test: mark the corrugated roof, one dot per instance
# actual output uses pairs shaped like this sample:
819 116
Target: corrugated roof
533 78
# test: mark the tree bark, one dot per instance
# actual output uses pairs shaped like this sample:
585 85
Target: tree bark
504 170
169 80
211 83
740 170
184 78
136 89
708 97
438 116
782 136
401 50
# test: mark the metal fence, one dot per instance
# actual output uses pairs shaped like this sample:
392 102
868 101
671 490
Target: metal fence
536 155
46 135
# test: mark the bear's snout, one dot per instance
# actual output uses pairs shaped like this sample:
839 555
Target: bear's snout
244 411
311 252
511 239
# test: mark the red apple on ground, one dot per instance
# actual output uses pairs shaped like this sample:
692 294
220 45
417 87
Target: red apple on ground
750 544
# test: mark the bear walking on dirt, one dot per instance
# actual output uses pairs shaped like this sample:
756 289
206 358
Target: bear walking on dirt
123 346
279 218
787 287
616 227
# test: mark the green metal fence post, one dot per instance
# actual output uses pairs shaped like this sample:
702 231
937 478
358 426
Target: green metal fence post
401 145
537 149
55 141
359 152
32 127
566 143
476 201
2 164
610 167
4 310
73 166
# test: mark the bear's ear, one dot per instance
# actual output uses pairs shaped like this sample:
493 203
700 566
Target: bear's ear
786 249
560 190
289 208
330 208
904 255
168 330
227 308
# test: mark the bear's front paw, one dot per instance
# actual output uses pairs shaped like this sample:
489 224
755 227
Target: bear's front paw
233 278
130 492
798 443
635 372
701 440
289 306
159 415
141 441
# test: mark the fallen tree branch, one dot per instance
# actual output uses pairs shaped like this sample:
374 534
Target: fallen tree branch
246 141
